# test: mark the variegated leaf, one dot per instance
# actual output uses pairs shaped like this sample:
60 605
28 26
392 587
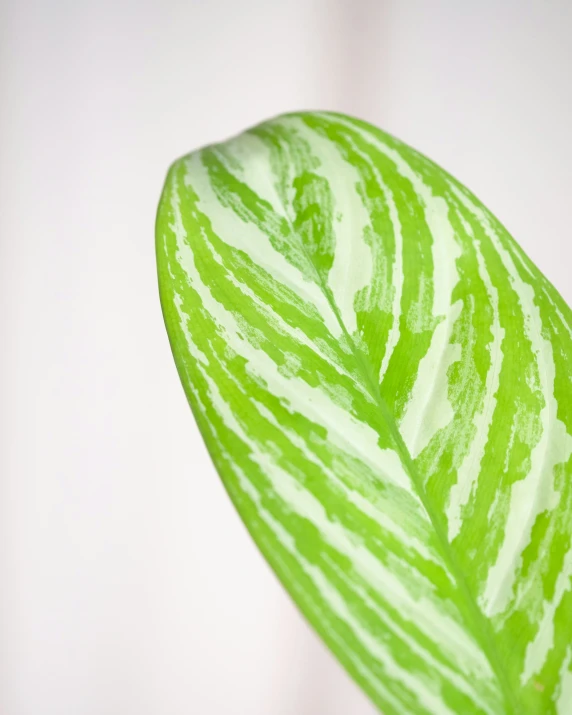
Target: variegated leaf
383 380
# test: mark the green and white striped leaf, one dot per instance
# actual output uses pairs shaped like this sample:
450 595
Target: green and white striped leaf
384 382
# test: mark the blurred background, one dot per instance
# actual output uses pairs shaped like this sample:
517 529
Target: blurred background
128 585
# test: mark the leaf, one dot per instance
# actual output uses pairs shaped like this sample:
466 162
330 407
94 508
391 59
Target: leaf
383 380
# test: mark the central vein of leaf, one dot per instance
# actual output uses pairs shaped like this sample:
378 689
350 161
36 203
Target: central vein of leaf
477 623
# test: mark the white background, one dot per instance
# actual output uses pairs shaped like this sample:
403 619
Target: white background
128 586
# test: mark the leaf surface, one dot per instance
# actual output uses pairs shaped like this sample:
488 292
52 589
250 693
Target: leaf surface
383 380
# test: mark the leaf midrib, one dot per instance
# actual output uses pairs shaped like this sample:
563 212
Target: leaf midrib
480 625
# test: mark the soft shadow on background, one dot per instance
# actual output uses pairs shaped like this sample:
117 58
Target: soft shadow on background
128 586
